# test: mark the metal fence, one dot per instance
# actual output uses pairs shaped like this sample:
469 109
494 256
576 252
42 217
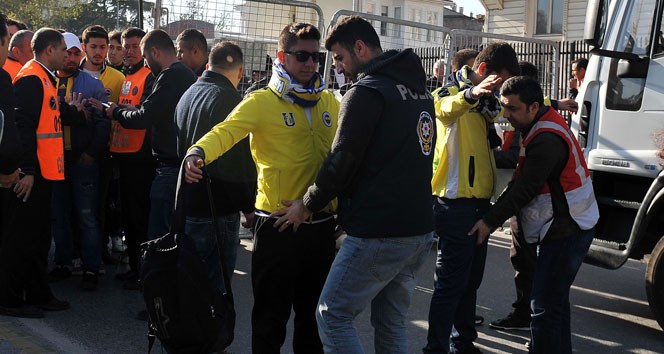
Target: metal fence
254 25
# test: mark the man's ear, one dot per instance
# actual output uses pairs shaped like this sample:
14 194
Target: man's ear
240 72
281 56
534 108
481 69
360 49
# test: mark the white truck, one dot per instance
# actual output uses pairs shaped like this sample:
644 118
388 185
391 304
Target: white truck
620 126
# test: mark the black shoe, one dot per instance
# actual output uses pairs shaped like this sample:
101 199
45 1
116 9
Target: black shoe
54 305
58 273
511 322
89 281
471 349
479 320
23 311
130 274
142 315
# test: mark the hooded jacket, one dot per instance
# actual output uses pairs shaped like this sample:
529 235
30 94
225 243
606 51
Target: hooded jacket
380 162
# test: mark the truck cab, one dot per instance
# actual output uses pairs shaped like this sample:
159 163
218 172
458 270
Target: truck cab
620 126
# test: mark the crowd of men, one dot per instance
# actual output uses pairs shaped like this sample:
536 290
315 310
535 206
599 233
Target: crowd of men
300 165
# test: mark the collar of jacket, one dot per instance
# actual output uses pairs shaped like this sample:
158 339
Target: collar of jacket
132 69
215 78
103 65
542 111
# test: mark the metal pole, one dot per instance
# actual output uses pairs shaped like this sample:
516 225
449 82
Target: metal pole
140 14
157 14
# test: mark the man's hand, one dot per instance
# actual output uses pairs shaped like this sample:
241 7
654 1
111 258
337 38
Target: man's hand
487 87
248 220
568 104
573 83
76 100
482 230
110 109
192 171
6 181
295 214
23 187
96 103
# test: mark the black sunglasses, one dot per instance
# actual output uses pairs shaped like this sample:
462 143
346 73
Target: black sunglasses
302 56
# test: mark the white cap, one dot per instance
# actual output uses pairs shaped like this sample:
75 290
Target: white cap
72 41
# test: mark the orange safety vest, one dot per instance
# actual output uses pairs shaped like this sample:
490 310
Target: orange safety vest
50 149
130 140
12 66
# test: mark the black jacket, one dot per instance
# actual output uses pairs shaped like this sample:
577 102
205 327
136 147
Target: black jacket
547 155
205 104
10 145
380 162
157 112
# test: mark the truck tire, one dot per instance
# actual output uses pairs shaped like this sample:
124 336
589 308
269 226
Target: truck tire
655 281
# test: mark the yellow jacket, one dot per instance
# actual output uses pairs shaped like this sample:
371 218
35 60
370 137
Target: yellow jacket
112 80
288 143
465 161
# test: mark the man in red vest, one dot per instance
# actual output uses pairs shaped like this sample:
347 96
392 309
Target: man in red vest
26 229
552 196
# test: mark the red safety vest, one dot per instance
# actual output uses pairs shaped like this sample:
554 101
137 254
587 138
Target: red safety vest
50 149
130 140
537 216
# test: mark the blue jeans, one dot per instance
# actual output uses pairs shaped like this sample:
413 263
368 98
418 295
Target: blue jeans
79 192
380 271
459 271
162 201
201 231
558 262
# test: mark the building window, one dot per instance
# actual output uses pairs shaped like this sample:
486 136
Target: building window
371 9
397 28
549 17
383 24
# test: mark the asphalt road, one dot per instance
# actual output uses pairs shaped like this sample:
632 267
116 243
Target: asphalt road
610 314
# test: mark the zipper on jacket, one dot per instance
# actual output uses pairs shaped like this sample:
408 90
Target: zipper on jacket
471 171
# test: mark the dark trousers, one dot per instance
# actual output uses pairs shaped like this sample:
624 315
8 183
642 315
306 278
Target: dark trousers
288 271
135 182
162 201
459 272
558 262
523 257
26 240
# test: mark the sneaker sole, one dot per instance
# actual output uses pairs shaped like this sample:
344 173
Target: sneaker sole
508 328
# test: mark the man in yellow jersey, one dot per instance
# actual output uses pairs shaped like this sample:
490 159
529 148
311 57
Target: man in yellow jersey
292 125
26 227
463 184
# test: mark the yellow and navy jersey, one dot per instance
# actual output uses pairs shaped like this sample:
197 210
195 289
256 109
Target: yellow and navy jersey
288 143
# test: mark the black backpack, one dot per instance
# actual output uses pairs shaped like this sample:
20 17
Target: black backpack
185 312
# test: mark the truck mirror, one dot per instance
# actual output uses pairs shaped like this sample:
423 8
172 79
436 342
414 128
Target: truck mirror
633 69
596 19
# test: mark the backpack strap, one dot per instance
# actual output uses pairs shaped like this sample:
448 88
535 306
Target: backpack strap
215 227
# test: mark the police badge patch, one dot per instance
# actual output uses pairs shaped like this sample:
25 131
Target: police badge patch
425 132
288 118
134 92
125 88
327 119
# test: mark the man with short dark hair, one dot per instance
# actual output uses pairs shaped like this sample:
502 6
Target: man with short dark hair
463 184
192 50
95 46
20 52
14 26
26 227
292 124
552 194
115 56
156 114
233 176
380 168
578 74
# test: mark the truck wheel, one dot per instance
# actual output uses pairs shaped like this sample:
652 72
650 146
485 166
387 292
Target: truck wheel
655 282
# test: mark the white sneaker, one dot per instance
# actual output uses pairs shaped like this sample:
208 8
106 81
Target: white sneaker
118 244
